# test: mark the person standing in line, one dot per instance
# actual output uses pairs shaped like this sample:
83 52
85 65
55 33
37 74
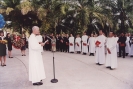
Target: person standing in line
2 49
127 48
91 44
66 43
62 43
78 44
71 44
100 49
9 45
122 44
57 43
23 48
111 58
36 66
53 43
84 44
131 50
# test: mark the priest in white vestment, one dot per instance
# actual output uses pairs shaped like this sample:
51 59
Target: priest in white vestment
91 44
36 66
100 49
127 48
71 44
111 58
84 44
78 44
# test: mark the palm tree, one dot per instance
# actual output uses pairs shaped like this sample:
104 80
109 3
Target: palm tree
122 13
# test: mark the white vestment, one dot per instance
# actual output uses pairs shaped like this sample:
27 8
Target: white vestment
111 59
84 40
78 40
131 49
71 41
127 48
36 66
39 38
117 45
100 51
91 44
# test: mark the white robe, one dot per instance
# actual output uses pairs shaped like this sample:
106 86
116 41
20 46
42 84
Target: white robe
91 44
39 38
71 48
111 59
78 40
117 45
131 49
84 40
100 51
36 66
127 48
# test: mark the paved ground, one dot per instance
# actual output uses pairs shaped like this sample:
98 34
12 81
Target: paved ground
73 71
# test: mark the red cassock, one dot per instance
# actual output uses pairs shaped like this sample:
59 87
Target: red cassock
97 43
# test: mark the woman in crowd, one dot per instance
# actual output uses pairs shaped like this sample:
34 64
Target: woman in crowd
23 48
2 49
53 42
9 44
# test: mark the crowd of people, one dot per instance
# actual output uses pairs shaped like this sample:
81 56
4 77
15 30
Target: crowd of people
8 46
105 49
86 44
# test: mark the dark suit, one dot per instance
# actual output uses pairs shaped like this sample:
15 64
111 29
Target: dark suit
57 43
122 40
66 40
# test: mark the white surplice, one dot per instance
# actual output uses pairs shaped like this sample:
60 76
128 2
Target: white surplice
111 59
36 66
78 40
39 38
91 44
117 45
84 40
71 41
131 49
100 51
127 48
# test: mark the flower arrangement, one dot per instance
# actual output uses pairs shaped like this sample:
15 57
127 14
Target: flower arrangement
17 42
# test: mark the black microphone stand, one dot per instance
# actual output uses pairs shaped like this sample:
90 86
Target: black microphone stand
53 80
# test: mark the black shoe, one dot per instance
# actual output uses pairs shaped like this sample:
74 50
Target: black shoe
39 83
97 63
108 67
111 69
131 56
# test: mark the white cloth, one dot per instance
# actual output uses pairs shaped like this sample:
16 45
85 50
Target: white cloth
71 41
36 66
100 51
39 38
127 48
131 50
111 59
105 48
78 40
91 44
84 40
117 45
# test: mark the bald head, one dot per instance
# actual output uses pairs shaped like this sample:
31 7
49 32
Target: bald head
35 30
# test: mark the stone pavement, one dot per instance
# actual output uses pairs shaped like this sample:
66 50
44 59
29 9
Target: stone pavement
73 71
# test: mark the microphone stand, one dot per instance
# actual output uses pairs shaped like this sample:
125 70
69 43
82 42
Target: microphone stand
53 80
